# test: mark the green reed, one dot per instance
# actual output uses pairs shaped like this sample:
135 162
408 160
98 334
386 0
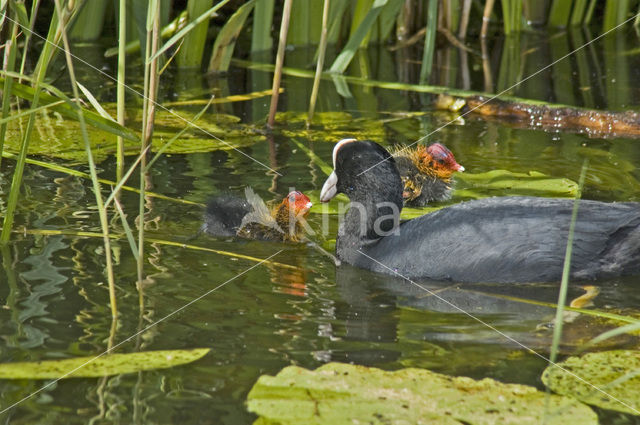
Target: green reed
10 48
92 167
261 38
429 41
16 182
566 270
191 50
121 84
151 81
282 43
320 63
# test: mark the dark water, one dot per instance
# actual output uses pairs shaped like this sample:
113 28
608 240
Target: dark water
53 288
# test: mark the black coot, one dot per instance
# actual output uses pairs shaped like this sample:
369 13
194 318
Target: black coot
505 239
426 173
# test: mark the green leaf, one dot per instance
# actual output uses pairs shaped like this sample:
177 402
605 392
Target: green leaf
180 34
346 394
92 366
510 183
61 138
226 39
626 329
344 58
616 373
134 46
262 20
94 102
68 110
21 13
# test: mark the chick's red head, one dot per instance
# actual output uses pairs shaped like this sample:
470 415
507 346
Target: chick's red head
298 202
442 158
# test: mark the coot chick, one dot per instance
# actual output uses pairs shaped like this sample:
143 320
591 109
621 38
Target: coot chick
426 173
504 239
250 218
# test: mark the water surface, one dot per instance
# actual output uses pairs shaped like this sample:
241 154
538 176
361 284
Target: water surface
54 291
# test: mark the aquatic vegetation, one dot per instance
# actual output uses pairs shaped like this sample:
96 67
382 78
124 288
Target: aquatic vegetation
97 366
607 379
338 393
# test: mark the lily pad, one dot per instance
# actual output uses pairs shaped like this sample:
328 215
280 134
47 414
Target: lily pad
346 394
616 373
340 204
509 183
110 364
330 127
59 137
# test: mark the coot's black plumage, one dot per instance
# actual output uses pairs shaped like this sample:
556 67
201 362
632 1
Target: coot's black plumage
506 239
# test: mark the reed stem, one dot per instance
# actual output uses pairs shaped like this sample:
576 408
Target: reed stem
262 19
429 41
464 20
150 92
16 182
28 34
566 270
321 52
486 18
578 14
120 92
104 222
282 44
559 13
8 65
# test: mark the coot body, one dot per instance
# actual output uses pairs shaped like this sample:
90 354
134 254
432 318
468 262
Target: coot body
505 239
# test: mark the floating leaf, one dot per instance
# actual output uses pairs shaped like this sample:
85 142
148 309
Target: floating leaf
110 364
57 137
330 127
346 394
340 203
510 183
616 373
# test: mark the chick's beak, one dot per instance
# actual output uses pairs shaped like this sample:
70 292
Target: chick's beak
329 189
459 168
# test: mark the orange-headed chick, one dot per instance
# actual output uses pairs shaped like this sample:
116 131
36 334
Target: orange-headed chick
426 173
283 223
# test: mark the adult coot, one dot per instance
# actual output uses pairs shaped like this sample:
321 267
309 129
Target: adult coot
426 173
250 218
506 239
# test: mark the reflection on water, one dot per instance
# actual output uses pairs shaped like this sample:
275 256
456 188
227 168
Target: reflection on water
54 296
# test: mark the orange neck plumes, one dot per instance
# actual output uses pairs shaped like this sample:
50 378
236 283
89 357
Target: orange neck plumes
426 164
289 213
436 161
